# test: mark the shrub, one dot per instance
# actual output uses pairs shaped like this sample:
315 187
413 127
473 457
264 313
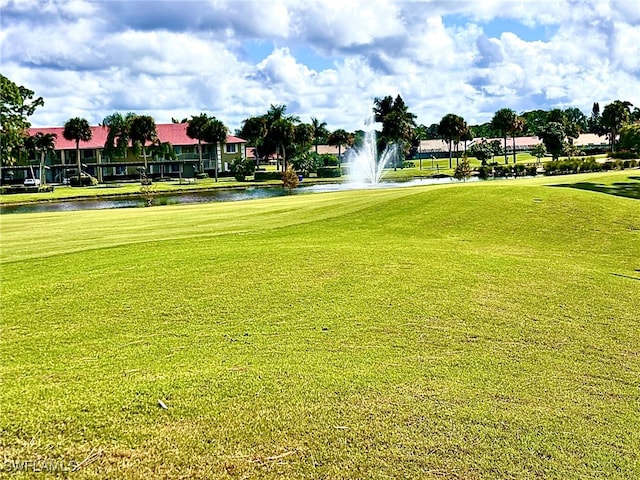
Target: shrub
264 176
463 169
483 173
329 160
589 164
85 181
609 165
241 168
518 169
408 165
329 172
501 171
290 179
629 164
623 155
531 170
307 162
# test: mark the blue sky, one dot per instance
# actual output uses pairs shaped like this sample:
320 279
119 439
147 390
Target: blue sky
325 59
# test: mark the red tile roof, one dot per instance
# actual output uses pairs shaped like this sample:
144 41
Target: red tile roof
174 133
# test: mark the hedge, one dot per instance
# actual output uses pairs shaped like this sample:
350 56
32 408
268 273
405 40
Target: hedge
329 172
260 176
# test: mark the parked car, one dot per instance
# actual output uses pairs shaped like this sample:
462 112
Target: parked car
31 182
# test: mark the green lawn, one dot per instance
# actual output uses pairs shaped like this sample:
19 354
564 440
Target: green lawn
481 330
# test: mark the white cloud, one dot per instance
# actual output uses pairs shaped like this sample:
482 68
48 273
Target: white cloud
326 59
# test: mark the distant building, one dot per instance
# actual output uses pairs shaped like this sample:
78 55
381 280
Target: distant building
62 163
437 148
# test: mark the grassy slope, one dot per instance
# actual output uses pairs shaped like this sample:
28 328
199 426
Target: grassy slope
478 331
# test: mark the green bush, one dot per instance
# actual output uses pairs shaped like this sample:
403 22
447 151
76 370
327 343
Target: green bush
589 164
501 171
329 172
623 155
261 176
329 160
483 173
242 167
531 170
85 181
408 165
518 169
629 164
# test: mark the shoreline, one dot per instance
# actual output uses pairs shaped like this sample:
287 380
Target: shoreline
179 191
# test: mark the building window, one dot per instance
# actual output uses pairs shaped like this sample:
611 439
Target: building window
230 148
121 170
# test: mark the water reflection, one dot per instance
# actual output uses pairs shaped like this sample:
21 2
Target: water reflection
220 195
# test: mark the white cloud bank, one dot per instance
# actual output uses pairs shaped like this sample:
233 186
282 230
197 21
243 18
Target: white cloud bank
326 59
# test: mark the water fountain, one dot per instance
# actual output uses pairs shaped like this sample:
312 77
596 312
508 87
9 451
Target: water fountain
365 167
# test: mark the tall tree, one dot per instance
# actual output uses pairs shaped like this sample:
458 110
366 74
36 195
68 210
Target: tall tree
143 130
502 122
16 105
535 121
118 136
451 129
467 136
196 127
216 134
614 116
254 130
397 121
320 132
77 129
553 138
576 119
304 137
275 134
517 127
630 137
595 120
43 143
283 133
338 138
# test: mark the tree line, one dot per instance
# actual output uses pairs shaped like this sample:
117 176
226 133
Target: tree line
277 134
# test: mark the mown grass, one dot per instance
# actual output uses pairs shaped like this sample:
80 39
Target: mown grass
486 330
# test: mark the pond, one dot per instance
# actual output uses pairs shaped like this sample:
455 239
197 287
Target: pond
209 196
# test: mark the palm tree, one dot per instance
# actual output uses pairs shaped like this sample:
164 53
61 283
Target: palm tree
502 122
320 131
283 133
118 136
43 143
254 130
451 128
304 138
614 116
466 136
517 127
338 138
78 130
215 134
143 130
196 128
